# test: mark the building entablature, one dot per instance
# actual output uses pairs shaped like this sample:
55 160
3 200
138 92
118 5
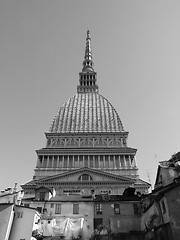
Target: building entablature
87 134
87 184
57 140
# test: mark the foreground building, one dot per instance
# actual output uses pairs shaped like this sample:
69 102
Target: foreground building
160 218
6 219
17 222
86 153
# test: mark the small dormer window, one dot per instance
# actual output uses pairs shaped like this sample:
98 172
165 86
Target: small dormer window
85 177
42 196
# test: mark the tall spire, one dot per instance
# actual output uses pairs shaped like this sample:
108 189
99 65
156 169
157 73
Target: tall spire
88 63
88 77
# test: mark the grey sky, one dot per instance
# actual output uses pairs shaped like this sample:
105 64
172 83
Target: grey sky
136 52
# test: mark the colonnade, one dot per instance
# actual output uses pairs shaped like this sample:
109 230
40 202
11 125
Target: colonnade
91 161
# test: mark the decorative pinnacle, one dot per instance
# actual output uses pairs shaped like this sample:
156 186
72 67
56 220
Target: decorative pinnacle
88 63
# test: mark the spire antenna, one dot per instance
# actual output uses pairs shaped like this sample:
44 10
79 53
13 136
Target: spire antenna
88 63
87 77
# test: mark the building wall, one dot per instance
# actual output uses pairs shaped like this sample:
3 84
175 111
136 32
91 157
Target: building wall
126 221
173 201
163 204
151 218
86 211
6 219
23 223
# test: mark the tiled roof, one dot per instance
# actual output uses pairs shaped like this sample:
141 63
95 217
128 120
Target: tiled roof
69 198
87 112
141 182
101 198
30 183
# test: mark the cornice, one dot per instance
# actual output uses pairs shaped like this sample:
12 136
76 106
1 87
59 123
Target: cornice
85 151
90 183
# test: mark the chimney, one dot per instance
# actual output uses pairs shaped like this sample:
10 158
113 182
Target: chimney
15 188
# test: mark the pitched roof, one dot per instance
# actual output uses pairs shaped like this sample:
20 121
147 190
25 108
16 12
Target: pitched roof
113 198
71 198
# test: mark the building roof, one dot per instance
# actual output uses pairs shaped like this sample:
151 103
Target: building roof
71 198
158 193
87 113
109 198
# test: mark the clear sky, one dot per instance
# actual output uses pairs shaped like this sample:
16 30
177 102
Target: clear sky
136 53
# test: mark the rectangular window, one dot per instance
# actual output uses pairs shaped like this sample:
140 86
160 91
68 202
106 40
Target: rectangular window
72 191
19 214
117 161
86 160
26 205
105 191
42 196
91 161
116 208
136 209
44 210
96 162
163 206
75 208
39 209
52 205
98 208
98 222
58 208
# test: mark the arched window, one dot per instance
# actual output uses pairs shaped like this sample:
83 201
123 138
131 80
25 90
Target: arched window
85 177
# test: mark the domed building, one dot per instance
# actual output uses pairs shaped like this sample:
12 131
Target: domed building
87 137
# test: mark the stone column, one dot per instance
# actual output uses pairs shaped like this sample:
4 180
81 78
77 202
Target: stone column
68 161
119 161
38 162
93 161
83 161
78 161
98 161
53 166
124 161
88 161
109 161
58 161
47 161
43 164
130 161
63 161
73 162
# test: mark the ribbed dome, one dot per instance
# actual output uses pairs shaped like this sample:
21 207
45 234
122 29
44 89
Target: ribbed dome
87 112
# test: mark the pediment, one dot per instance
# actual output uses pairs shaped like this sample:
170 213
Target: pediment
95 176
